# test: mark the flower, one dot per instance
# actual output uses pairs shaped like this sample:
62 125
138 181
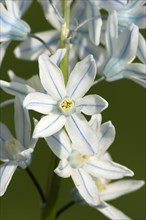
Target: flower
83 167
11 26
22 87
63 106
109 191
15 152
116 61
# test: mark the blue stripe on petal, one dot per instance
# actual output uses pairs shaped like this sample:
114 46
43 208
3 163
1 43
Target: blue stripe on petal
84 183
78 84
83 136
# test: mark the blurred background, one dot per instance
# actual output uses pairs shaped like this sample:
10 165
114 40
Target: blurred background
127 108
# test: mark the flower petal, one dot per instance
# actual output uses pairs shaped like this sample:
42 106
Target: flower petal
111 5
141 49
4 136
40 102
58 56
6 172
86 186
51 77
95 25
3 48
91 104
135 69
22 124
120 188
81 78
49 125
95 122
31 48
81 134
124 52
113 213
126 47
105 137
111 33
63 170
13 9
60 144
106 169
16 89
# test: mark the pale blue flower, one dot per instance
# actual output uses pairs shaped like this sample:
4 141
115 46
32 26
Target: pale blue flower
115 62
82 10
82 167
63 105
107 190
22 87
15 152
11 25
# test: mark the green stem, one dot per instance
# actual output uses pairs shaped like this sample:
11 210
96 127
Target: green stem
53 185
49 210
65 30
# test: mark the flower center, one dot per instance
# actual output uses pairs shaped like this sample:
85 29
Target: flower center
77 159
66 104
100 185
13 147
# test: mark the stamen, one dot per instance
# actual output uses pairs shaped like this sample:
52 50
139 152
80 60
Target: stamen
66 104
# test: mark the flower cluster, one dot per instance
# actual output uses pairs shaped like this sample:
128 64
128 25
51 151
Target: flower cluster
100 40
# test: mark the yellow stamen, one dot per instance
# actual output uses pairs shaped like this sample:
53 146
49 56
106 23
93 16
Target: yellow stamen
66 104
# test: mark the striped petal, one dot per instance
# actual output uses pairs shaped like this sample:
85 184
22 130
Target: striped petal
16 89
40 102
6 172
124 50
106 169
95 25
3 49
22 124
111 33
81 78
91 104
119 188
49 125
106 137
141 54
113 213
86 186
58 56
111 5
135 69
4 136
95 122
12 8
81 134
63 170
60 144
31 48
51 77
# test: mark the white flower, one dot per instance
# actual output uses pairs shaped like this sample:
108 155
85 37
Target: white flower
82 167
22 87
11 26
63 106
116 61
15 152
109 191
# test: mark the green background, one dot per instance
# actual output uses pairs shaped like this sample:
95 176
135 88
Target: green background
127 107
